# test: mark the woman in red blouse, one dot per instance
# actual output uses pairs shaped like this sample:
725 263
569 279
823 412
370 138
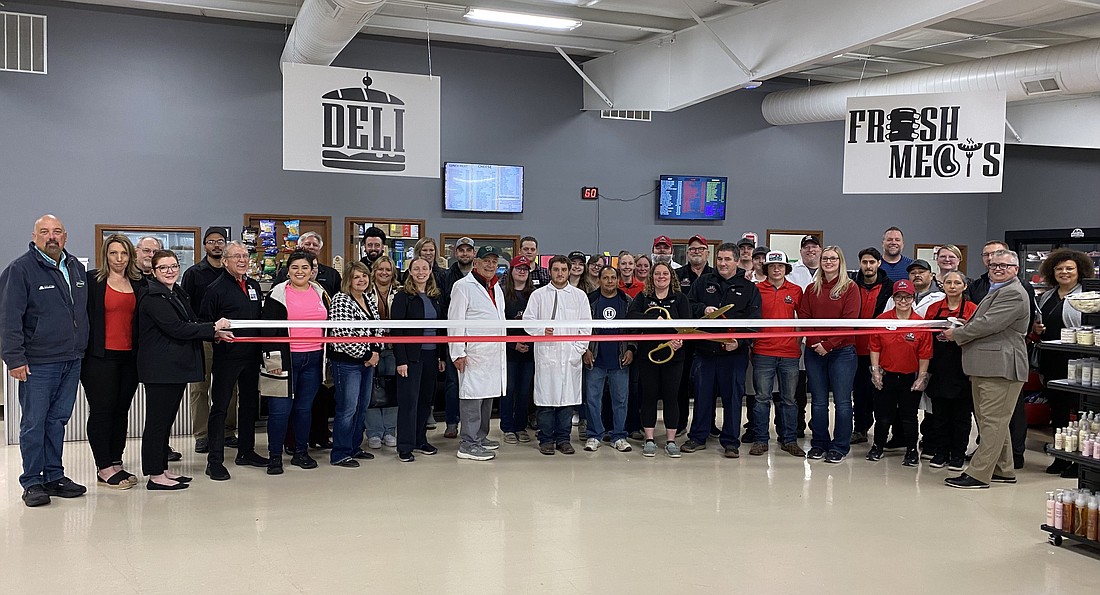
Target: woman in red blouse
899 373
109 370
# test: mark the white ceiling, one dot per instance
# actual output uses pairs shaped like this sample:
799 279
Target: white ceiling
609 26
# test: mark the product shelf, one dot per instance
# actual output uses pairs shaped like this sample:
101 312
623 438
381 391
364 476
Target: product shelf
1069 347
1058 535
1065 385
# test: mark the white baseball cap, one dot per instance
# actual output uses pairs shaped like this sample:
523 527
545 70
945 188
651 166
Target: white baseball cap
777 257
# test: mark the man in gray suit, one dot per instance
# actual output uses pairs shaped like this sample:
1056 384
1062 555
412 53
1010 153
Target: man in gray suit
995 358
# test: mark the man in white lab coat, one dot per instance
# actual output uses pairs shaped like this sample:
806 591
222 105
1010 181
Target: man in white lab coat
557 364
482 367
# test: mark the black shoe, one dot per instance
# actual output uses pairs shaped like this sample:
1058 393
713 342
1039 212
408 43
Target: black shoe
858 438
565 448
965 482
815 454
289 450
939 461
151 485
894 444
426 449
692 446
748 436
67 488
1017 461
183 479
927 454
956 464
348 462
231 442
36 496
250 459
1058 466
1002 479
875 454
912 459
202 445
364 455
715 431
217 471
325 445
275 465
405 457
546 448
1069 472
303 460
173 455
681 432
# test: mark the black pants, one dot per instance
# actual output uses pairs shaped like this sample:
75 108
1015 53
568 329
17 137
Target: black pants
863 401
660 382
1017 426
109 384
634 397
896 400
686 390
414 401
324 407
225 374
801 398
949 433
162 402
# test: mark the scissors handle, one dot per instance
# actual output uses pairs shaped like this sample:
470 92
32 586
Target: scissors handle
656 358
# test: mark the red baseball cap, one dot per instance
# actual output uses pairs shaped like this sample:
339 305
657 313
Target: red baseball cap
904 286
662 240
698 238
520 261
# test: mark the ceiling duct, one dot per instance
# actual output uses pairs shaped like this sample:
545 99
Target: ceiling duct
323 28
1076 66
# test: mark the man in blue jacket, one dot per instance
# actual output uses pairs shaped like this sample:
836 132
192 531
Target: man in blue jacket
43 333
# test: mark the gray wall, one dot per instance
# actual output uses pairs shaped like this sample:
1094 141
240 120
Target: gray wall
1046 187
156 119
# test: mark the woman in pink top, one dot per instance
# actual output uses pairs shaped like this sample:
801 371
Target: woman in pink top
297 298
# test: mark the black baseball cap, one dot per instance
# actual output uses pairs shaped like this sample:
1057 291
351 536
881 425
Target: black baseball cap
488 250
919 263
578 255
810 239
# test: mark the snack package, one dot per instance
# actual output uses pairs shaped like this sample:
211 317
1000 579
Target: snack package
269 265
249 236
267 228
292 227
271 251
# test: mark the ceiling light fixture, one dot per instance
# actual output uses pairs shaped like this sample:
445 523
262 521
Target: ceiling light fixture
523 20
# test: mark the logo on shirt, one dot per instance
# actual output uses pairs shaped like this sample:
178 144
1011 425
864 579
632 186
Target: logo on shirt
45 287
712 289
910 337
788 300
609 313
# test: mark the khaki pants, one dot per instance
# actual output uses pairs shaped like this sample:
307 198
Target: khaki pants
994 401
199 393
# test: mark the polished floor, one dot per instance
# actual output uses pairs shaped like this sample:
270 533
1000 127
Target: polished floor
603 522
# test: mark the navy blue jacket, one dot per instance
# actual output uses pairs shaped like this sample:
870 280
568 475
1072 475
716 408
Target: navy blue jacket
41 320
712 289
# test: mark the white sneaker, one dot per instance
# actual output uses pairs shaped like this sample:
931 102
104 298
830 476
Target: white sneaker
591 444
389 440
374 442
576 419
622 445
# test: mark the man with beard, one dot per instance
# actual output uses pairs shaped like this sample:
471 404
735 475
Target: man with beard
195 281
745 248
894 263
539 276
374 245
662 251
875 289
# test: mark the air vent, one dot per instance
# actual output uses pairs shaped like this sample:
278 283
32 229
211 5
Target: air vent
627 114
23 42
1041 86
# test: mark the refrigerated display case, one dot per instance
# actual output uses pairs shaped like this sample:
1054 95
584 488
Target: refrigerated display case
1034 245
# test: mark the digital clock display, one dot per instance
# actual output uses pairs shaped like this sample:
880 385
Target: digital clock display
590 193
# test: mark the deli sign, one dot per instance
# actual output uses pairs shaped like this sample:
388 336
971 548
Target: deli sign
927 143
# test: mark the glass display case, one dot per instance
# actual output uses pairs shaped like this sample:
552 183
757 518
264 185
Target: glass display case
184 241
1033 246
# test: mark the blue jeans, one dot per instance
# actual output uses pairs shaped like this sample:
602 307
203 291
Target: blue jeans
833 371
353 389
296 412
723 375
766 369
513 406
450 392
619 380
555 424
46 399
381 421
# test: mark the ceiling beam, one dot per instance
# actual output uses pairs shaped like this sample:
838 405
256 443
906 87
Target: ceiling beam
771 39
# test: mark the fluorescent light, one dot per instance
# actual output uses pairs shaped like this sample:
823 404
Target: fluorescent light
525 20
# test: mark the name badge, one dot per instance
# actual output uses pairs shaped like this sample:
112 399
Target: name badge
252 294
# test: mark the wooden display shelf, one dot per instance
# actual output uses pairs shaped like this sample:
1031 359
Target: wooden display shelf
1058 535
1069 347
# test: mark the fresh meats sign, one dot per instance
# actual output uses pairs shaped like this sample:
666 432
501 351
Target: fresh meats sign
355 121
931 143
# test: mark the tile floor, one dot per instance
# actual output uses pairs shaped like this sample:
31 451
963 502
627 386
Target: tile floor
603 522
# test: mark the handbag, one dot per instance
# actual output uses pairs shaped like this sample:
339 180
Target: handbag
384 390
274 385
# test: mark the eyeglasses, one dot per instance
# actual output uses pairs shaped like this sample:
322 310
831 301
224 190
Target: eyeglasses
235 257
215 242
167 268
830 258
995 266
904 297
697 249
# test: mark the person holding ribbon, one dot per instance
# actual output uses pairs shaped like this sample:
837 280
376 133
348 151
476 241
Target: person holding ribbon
899 373
659 371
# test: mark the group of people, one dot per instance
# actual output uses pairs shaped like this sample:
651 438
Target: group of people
137 319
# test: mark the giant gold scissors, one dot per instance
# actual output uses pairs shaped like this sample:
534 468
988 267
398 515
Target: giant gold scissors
667 345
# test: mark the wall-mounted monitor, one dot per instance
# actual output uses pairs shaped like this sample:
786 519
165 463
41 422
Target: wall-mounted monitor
483 188
692 198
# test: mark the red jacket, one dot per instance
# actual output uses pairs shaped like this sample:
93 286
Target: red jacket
778 303
900 352
822 305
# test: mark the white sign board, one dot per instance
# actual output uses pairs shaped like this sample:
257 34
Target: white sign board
929 143
347 120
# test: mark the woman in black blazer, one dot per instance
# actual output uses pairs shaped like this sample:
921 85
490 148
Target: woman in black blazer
109 369
169 356
417 363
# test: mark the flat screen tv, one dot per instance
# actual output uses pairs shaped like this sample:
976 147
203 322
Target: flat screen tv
692 198
483 188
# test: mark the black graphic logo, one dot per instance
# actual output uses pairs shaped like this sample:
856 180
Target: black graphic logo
924 143
788 300
364 129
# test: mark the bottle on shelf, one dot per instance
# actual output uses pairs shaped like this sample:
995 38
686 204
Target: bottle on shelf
1059 510
1080 514
1059 440
1068 500
1050 509
1094 521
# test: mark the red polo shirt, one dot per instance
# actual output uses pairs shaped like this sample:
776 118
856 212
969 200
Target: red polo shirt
900 352
775 303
